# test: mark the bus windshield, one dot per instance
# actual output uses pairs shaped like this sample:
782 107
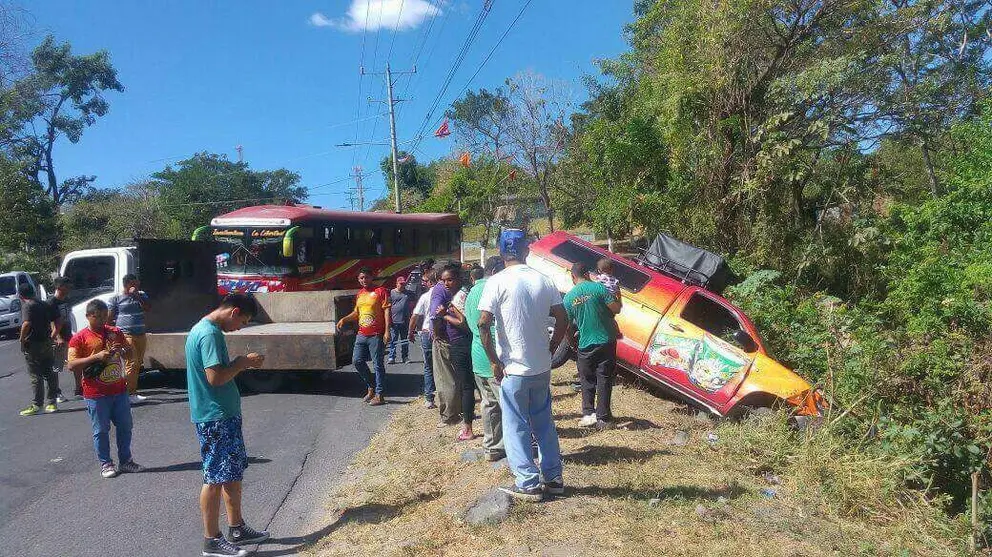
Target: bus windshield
251 251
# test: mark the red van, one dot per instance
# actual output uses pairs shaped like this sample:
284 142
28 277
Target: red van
682 337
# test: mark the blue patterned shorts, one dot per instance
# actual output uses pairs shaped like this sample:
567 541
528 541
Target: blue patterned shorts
222 449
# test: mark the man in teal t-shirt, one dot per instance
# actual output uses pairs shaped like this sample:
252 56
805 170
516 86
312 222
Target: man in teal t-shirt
492 417
215 409
591 309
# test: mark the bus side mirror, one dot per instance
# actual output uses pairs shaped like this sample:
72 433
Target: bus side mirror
745 341
287 242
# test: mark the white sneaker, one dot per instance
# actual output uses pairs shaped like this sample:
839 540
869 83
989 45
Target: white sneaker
588 421
138 398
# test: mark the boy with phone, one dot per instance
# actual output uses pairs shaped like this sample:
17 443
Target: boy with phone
215 410
96 352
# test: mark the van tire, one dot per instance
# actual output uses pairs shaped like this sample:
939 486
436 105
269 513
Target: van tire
562 355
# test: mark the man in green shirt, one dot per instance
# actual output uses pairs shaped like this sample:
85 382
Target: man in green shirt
492 416
591 309
215 409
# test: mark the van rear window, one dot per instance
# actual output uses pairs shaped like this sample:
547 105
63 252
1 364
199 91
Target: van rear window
630 278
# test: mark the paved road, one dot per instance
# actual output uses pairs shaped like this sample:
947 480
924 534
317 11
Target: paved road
54 502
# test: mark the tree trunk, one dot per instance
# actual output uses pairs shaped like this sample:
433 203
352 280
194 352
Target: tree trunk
931 172
53 183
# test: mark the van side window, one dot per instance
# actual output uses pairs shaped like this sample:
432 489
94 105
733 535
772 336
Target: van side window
629 278
711 316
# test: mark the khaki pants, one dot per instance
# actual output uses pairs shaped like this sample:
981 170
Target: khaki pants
492 416
448 378
132 361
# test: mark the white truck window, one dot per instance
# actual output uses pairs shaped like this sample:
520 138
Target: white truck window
91 276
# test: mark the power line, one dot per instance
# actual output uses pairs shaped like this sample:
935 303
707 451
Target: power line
466 45
496 46
361 78
392 41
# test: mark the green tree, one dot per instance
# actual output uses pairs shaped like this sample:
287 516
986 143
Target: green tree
59 98
479 194
114 217
935 69
416 182
197 189
28 219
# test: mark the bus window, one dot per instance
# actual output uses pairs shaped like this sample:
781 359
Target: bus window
415 248
332 241
436 241
375 242
399 241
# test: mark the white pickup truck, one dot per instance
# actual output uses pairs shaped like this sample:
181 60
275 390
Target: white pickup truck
10 303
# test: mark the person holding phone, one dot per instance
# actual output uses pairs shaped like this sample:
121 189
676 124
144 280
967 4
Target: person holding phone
96 354
215 409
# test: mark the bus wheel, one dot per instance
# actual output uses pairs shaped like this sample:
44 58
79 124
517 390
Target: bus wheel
262 381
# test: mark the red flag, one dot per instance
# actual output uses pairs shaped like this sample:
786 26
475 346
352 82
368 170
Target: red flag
443 131
465 159
513 175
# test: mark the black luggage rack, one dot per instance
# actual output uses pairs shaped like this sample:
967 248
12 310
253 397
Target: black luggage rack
686 263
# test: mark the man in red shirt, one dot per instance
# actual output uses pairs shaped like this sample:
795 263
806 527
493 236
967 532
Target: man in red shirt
372 313
96 352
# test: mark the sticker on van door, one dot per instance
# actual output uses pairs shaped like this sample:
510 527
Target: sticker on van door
716 364
673 351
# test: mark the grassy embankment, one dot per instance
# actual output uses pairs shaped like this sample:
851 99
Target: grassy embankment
653 486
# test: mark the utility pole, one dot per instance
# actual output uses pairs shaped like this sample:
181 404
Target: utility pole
392 127
359 188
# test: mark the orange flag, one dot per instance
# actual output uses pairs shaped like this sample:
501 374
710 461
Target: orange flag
465 159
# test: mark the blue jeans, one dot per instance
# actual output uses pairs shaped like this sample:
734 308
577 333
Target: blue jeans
526 405
103 411
370 348
427 345
397 335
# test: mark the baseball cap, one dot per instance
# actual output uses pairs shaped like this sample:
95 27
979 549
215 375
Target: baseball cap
512 242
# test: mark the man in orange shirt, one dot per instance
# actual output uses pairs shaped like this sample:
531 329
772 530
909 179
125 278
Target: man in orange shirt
372 313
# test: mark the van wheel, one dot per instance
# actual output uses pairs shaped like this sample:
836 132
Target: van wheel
261 381
562 355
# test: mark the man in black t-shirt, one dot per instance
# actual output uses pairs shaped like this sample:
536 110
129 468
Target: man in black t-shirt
37 330
61 315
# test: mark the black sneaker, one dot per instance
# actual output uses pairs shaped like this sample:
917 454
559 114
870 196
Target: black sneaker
532 494
219 547
555 486
495 456
245 534
605 425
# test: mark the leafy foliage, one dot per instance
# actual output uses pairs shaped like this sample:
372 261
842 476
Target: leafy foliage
196 189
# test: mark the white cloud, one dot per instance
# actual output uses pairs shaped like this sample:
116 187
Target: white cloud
320 20
381 14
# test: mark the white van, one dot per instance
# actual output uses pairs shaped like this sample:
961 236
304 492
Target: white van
10 303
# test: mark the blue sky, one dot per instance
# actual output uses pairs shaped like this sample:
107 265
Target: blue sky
282 78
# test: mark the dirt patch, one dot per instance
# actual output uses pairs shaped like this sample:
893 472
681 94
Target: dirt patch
660 484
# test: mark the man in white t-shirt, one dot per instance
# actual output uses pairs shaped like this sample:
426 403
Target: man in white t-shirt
516 304
419 322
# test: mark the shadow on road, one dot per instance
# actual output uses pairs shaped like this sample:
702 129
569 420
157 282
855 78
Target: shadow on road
347 383
190 466
364 514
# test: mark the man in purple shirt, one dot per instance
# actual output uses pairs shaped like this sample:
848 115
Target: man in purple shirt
452 347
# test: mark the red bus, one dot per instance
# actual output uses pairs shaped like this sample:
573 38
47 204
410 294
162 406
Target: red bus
290 248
